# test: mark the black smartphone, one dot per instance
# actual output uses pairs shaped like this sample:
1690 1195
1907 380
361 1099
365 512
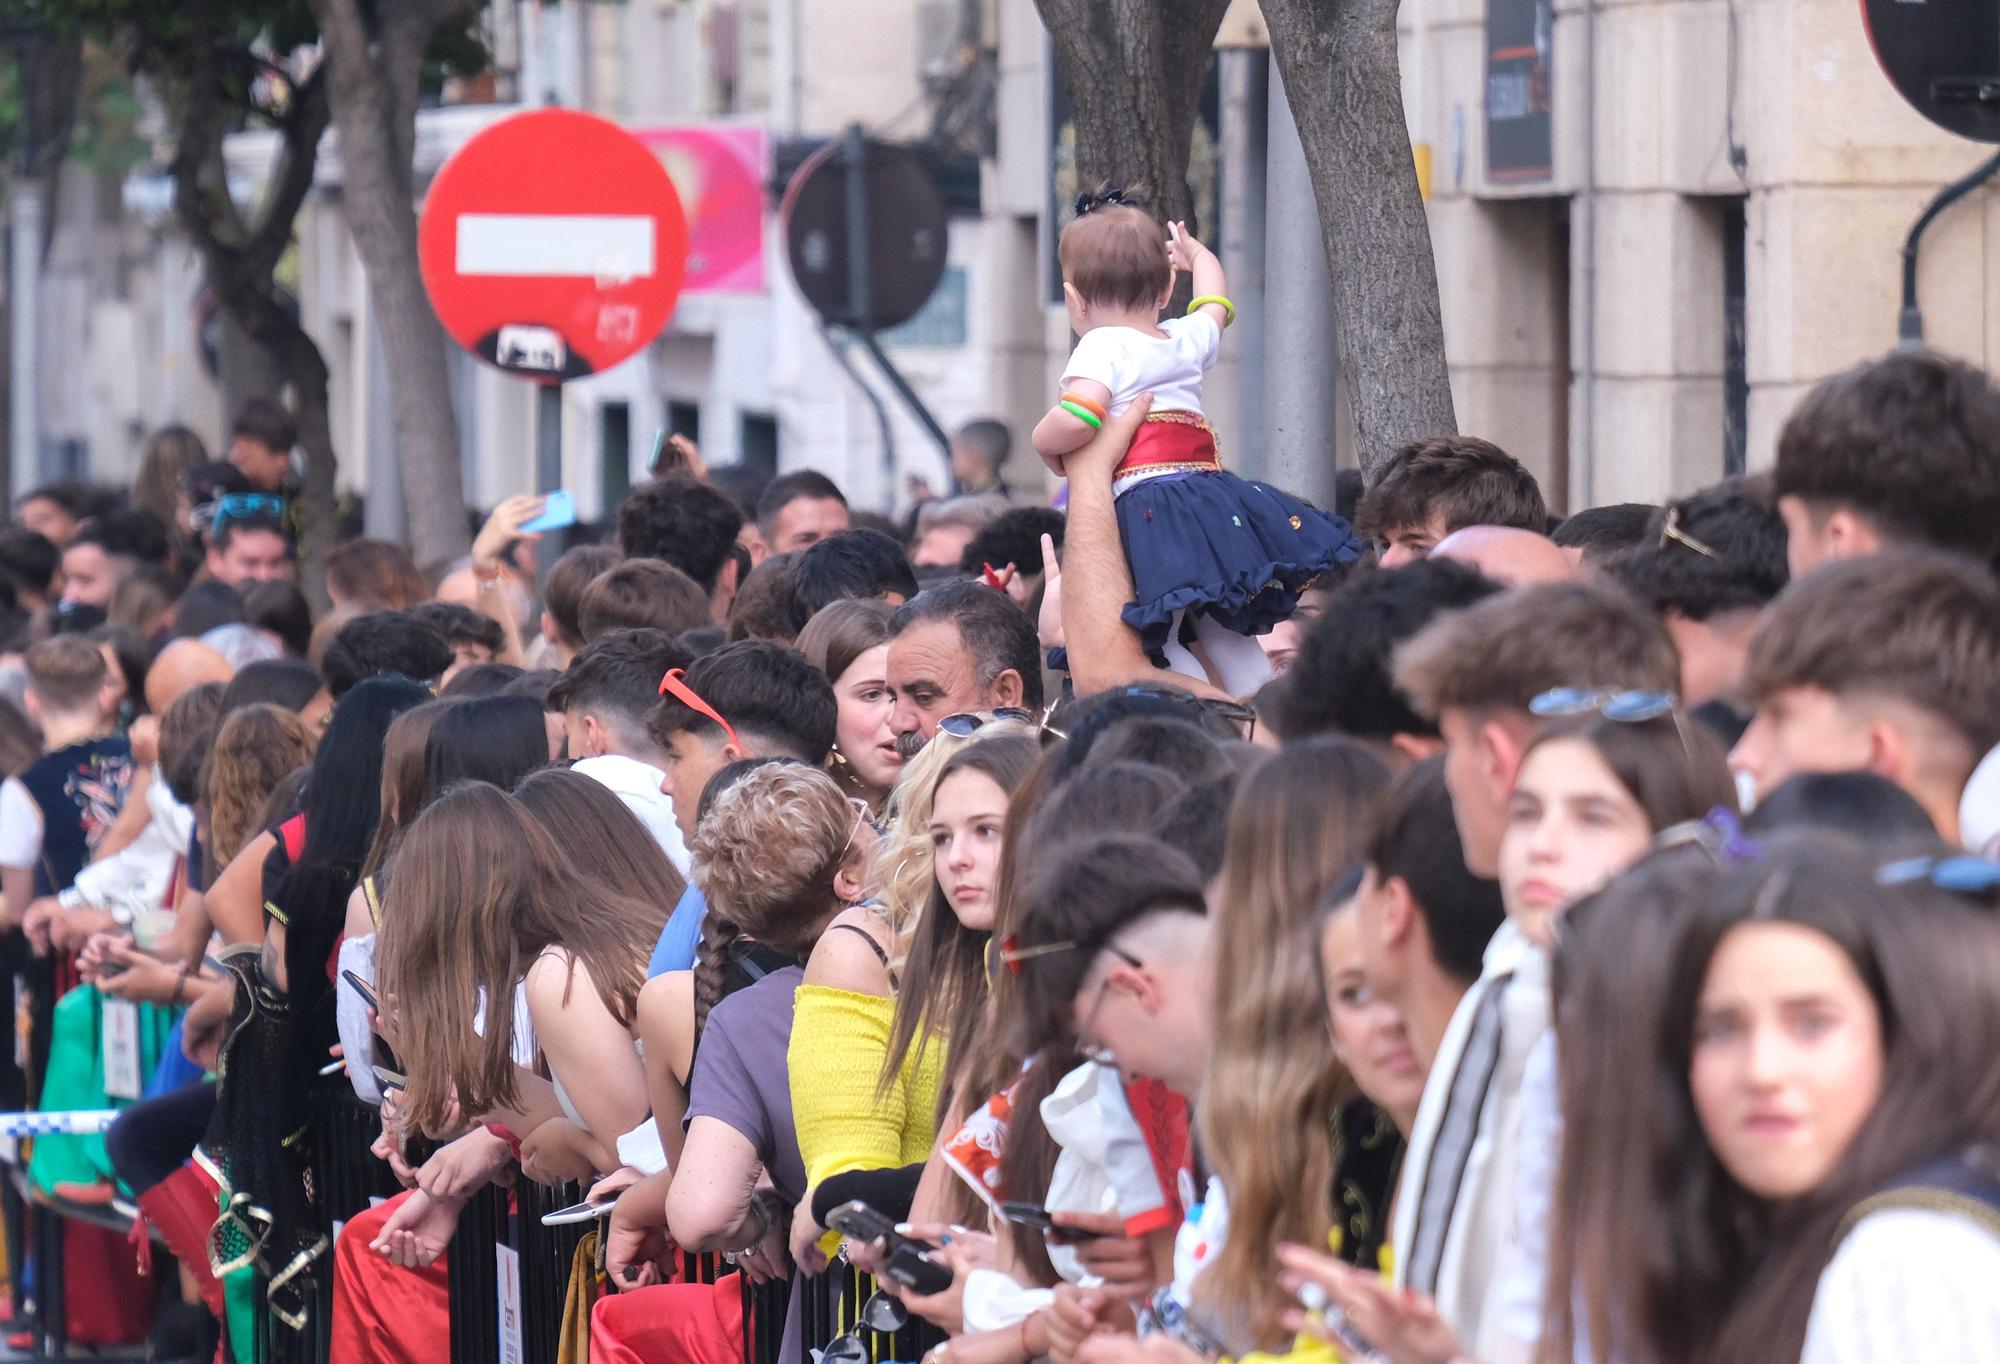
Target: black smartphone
908 1262
860 1222
916 1271
389 1079
362 988
1039 1217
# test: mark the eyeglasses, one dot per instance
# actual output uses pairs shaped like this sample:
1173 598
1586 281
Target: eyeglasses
671 685
1086 1045
861 817
245 507
1012 955
1625 707
1671 530
883 1313
1960 875
968 723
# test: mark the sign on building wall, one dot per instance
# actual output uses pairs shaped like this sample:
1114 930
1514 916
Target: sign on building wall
1519 125
720 174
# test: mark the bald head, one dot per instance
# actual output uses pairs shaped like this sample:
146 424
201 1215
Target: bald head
181 667
1515 557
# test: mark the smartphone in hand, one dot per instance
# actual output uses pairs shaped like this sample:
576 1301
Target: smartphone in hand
362 988
558 510
1036 1216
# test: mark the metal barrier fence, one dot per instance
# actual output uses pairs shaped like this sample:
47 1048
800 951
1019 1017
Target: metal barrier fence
347 1177
831 1305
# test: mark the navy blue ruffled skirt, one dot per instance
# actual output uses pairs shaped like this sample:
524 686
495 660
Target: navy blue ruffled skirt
1231 548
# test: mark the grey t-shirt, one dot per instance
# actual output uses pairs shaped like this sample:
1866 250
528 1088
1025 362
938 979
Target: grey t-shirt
740 1077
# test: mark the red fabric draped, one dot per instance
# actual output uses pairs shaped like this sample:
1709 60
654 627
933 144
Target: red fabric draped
670 1324
384 1314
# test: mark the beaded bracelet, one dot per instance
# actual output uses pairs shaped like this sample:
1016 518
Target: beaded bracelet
1083 414
1227 306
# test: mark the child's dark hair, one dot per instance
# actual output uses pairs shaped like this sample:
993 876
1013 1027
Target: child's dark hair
1114 253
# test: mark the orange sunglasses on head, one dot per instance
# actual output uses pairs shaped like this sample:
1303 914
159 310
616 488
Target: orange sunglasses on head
671 685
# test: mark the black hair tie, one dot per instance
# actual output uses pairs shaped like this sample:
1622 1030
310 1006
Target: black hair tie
1105 198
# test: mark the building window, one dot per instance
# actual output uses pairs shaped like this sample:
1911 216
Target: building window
684 419
759 442
614 446
1735 338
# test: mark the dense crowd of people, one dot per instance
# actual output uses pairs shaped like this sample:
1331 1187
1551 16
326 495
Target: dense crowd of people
1576 943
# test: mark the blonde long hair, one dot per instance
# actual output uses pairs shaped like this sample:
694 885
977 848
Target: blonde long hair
1269 1101
905 862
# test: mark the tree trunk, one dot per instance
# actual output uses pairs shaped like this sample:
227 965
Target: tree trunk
1134 71
373 85
245 367
240 260
1343 82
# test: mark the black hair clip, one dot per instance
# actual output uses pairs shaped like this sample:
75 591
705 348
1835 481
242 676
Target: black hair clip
1104 198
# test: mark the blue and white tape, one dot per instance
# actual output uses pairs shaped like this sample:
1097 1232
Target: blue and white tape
75 1123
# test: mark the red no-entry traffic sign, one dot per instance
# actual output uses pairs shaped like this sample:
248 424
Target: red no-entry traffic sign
553 245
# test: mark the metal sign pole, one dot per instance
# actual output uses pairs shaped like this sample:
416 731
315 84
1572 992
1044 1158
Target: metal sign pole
860 296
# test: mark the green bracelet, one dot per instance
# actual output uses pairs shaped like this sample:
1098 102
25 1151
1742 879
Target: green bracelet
1227 307
1083 414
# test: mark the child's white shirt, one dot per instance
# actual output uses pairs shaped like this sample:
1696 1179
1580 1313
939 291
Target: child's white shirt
1128 362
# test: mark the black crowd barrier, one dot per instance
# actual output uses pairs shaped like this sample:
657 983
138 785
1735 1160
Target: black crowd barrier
347 1176
832 1306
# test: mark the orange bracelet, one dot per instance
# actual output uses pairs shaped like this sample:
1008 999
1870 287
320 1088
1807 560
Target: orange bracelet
1086 404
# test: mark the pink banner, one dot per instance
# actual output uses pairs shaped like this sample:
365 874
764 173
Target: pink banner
719 172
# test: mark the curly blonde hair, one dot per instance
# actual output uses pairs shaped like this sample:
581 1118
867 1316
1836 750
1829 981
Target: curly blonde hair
765 855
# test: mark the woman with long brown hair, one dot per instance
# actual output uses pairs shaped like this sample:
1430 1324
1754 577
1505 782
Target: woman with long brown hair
849 642
483 899
1267 1108
1782 1127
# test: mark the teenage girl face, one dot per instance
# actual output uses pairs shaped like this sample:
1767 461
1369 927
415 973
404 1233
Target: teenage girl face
1368 1035
1787 1057
968 818
862 727
1571 826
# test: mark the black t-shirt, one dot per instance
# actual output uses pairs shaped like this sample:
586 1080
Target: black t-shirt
79 790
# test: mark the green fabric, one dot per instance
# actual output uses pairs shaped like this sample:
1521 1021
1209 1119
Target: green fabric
239 1300
75 1080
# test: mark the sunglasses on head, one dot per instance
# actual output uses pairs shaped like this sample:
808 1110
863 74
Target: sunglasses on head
968 723
1625 707
671 685
245 507
1671 530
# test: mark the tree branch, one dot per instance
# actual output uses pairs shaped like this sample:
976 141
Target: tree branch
291 175
201 181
